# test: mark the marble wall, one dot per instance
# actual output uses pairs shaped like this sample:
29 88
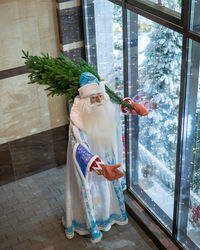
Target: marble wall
33 127
28 25
32 154
26 109
23 109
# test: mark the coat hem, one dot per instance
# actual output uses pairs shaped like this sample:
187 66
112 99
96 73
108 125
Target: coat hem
87 232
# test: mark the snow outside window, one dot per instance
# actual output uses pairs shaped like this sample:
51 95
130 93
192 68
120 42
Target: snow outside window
154 80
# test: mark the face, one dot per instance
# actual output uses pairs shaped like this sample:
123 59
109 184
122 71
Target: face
96 98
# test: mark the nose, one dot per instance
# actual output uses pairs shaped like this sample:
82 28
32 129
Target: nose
98 99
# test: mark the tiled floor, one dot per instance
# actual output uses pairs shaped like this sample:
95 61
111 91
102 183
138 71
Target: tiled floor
30 215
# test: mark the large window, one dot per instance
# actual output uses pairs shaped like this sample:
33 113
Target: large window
189 209
154 81
159 68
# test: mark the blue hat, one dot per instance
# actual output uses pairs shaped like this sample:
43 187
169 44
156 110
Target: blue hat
87 78
90 85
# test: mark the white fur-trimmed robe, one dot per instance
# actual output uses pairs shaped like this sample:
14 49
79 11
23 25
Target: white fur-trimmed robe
93 204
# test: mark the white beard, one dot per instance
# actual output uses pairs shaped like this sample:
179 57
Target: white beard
99 123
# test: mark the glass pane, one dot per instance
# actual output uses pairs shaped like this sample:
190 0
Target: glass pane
105 43
105 37
154 81
195 17
168 6
172 4
189 208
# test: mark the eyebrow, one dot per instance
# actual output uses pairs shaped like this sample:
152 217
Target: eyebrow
95 95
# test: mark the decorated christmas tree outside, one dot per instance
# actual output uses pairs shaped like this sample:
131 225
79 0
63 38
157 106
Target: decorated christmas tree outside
196 153
159 77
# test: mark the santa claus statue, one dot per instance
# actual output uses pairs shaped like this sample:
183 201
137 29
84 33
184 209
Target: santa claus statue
94 175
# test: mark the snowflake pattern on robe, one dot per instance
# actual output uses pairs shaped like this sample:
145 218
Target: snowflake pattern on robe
93 204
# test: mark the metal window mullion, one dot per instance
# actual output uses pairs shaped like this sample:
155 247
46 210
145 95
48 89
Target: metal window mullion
163 21
88 50
118 2
125 71
180 136
185 18
85 28
125 47
194 36
185 15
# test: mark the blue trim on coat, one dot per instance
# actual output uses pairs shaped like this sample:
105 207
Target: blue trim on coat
93 230
83 157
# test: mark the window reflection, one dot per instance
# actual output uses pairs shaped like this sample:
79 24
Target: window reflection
173 5
154 68
195 17
189 207
153 138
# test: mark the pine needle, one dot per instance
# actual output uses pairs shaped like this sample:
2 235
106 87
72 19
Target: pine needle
61 75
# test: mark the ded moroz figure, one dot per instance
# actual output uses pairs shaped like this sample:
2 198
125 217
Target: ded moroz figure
94 176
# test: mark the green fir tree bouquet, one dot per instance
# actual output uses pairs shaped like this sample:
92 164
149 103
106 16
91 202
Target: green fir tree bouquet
61 75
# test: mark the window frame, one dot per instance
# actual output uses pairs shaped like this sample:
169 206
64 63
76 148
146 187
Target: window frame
181 25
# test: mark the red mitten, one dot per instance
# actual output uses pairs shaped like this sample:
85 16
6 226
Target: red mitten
124 109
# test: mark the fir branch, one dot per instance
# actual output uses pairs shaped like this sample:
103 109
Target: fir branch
115 98
61 75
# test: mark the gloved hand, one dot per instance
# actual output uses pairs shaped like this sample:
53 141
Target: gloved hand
110 172
138 108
